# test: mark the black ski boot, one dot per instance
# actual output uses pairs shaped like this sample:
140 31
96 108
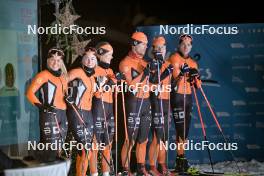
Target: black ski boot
182 164
141 170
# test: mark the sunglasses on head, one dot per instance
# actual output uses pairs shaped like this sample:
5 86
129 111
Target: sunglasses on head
186 35
54 51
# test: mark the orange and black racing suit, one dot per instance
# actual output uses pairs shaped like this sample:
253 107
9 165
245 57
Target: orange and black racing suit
51 86
136 72
103 115
81 91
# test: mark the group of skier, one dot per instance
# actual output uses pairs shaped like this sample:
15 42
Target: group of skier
81 101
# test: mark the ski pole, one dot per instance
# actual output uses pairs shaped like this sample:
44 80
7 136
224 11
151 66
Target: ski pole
218 125
203 127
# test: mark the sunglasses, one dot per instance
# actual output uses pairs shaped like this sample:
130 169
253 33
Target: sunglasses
186 35
54 51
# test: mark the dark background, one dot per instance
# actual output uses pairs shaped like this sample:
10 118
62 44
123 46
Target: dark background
122 17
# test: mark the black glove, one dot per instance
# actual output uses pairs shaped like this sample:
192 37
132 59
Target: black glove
69 100
158 56
153 65
46 108
120 76
169 69
146 70
184 69
193 72
109 84
153 78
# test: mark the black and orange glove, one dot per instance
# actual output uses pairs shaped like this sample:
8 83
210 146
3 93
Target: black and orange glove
184 69
69 100
46 108
120 76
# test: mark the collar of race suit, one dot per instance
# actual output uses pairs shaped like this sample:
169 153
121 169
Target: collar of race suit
182 55
88 71
104 65
55 73
134 55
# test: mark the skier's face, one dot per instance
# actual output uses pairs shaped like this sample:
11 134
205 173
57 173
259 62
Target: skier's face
140 49
54 62
185 47
107 57
89 59
161 49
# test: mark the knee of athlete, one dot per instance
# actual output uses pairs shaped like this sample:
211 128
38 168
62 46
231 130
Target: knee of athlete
180 138
112 130
106 151
142 141
161 140
130 144
94 151
126 144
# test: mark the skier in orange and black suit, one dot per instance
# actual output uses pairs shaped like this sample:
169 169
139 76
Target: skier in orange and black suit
136 71
103 115
184 70
160 107
51 84
81 91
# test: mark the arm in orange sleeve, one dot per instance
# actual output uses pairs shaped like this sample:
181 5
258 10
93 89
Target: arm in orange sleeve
176 66
37 82
109 74
73 74
111 78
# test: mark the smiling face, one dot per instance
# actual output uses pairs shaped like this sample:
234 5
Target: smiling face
89 59
54 62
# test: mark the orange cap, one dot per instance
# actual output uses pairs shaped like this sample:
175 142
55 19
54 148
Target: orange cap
107 47
140 36
159 41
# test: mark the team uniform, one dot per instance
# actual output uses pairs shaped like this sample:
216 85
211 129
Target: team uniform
179 88
81 91
138 125
104 122
161 112
160 106
51 87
